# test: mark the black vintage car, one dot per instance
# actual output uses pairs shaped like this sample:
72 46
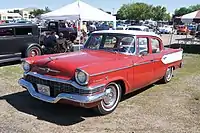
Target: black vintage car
18 41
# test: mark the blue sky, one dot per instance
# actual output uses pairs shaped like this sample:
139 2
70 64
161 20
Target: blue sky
107 5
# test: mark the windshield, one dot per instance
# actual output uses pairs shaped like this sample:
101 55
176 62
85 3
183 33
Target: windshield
111 42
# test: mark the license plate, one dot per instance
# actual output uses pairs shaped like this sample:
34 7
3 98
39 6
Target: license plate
43 89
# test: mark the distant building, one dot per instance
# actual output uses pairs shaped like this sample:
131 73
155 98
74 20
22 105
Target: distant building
15 13
9 16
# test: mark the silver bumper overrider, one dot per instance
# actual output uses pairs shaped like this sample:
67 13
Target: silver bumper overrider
77 97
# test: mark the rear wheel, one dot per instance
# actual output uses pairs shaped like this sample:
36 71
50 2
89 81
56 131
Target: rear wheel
111 99
168 75
33 51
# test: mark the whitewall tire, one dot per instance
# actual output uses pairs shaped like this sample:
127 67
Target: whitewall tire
111 99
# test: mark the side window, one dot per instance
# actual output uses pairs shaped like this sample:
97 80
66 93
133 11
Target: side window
23 31
110 42
6 32
143 45
155 43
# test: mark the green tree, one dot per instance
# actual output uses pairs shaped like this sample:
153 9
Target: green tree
159 13
185 10
38 12
181 11
142 11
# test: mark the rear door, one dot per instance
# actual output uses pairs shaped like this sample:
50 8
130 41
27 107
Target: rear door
6 40
156 48
23 37
143 64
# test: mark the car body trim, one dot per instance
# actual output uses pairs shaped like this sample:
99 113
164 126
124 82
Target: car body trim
143 63
7 55
62 96
10 59
109 71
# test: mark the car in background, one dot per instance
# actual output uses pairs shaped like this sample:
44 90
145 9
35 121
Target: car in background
18 40
192 29
138 28
121 28
182 30
166 29
197 34
111 64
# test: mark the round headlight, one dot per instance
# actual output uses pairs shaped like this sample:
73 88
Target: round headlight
26 66
81 77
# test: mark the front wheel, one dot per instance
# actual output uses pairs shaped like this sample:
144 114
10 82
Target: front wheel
111 99
33 51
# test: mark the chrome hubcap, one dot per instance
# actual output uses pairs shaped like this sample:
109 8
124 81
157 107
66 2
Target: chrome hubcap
169 74
34 52
110 97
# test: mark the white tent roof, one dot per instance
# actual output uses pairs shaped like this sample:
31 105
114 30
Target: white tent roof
79 10
190 17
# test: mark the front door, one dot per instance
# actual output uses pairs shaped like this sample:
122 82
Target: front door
143 64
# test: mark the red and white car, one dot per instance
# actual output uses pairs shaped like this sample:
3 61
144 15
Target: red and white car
112 64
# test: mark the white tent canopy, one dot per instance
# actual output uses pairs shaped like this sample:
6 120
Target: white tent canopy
79 11
190 17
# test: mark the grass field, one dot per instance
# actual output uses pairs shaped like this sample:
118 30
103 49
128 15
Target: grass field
160 108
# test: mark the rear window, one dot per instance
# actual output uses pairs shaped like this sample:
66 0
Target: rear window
23 31
6 32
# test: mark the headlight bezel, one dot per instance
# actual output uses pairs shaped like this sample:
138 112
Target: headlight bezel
77 72
26 66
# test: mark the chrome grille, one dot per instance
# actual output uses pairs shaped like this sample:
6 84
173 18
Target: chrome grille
55 87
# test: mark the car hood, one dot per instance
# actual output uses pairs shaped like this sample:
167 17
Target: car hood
66 64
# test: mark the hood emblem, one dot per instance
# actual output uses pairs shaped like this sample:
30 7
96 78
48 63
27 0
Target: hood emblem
47 70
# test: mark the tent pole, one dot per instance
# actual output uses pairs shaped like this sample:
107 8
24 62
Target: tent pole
170 42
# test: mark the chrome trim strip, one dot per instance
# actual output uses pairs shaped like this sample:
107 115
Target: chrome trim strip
48 70
9 59
109 71
156 60
143 63
7 55
64 96
70 82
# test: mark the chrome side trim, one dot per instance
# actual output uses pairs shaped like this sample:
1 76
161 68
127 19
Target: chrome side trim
143 63
10 59
7 55
64 96
156 60
48 70
109 71
70 82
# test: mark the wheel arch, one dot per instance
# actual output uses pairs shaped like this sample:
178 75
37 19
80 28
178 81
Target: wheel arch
122 82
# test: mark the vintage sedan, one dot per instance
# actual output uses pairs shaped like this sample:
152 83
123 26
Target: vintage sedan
18 41
111 64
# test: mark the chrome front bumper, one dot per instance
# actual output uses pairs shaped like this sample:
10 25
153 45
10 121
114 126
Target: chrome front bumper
62 96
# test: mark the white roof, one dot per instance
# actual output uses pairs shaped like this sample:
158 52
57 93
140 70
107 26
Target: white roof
131 32
79 10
